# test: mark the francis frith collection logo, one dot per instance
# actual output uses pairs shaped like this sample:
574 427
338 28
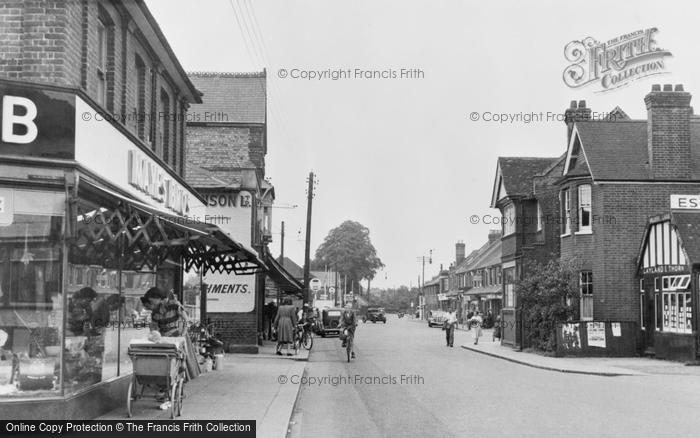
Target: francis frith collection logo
616 62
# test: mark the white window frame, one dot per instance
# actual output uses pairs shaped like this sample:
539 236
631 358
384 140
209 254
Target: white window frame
566 211
584 205
673 320
540 218
587 295
509 219
641 303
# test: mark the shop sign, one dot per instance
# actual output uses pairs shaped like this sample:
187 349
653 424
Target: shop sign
35 122
662 269
151 179
240 199
442 297
685 202
230 292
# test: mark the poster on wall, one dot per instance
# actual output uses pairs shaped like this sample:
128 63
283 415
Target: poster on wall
571 335
596 334
616 329
230 293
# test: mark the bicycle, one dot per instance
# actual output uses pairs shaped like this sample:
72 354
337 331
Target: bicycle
349 340
307 337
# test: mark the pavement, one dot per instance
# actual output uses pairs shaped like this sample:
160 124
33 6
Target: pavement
406 382
600 366
248 387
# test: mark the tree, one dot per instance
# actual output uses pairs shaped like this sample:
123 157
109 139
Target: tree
549 296
347 249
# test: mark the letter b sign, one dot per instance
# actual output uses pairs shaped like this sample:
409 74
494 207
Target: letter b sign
18 111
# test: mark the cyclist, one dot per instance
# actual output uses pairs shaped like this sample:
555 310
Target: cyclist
348 322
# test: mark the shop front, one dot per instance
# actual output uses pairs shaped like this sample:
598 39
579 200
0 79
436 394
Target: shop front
89 220
669 275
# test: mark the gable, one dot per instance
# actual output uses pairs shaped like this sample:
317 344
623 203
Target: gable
576 161
662 249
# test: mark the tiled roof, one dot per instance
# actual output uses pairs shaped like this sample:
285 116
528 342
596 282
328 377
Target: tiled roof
295 270
518 172
229 97
617 150
201 178
488 255
688 225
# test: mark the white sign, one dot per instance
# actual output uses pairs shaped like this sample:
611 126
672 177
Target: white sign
151 179
10 119
442 297
230 292
331 290
315 284
596 334
616 329
6 207
685 202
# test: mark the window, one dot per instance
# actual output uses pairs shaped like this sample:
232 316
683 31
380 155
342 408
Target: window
641 304
509 219
677 312
509 280
164 118
586 290
584 208
140 98
566 211
540 217
101 62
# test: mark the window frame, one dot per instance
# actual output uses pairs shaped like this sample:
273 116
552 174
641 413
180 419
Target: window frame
509 219
566 211
586 292
581 208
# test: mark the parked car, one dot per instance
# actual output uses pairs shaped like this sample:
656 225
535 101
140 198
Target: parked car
374 314
330 322
436 318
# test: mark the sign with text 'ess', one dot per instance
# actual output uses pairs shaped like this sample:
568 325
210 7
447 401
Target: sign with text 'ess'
685 202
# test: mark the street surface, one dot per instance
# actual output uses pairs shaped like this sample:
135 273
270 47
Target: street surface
458 393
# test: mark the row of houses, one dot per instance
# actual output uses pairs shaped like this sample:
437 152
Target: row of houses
621 201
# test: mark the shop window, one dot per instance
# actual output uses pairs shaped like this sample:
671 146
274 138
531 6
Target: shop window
586 290
641 304
31 303
509 280
566 211
584 208
508 219
677 312
658 320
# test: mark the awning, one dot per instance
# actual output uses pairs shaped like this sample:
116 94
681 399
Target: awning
488 290
284 279
149 237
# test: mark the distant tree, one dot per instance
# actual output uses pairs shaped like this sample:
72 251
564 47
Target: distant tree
549 296
347 249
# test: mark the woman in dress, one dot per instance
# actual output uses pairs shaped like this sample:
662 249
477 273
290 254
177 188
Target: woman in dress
285 321
476 321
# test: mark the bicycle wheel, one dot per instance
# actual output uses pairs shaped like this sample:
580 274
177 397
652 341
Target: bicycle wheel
348 347
308 341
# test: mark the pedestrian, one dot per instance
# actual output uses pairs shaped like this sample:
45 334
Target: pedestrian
450 325
285 321
470 314
476 321
497 328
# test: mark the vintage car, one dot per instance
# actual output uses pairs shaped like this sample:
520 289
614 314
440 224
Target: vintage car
330 322
436 318
374 314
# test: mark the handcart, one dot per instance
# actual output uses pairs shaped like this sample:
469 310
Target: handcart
157 366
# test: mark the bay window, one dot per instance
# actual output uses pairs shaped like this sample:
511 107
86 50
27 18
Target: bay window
509 219
584 208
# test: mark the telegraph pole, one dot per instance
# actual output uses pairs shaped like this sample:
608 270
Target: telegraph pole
307 257
422 284
282 248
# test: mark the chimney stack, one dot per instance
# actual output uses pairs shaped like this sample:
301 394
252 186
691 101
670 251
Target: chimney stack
460 250
494 235
575 113
668 132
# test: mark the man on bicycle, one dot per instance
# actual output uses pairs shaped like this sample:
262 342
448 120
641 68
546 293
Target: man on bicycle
348 322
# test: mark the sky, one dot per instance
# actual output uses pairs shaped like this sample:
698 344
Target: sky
402 156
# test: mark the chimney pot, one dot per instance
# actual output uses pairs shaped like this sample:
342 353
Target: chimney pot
656 87
668 87
573 104
679 87
582 104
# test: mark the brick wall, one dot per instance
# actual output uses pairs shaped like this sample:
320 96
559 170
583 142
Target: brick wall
231 146
236 330
56 42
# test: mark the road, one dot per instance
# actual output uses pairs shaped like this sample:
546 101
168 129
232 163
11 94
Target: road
458 393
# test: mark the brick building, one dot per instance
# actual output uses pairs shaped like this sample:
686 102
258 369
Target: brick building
618 174
226 148
93 202
525 194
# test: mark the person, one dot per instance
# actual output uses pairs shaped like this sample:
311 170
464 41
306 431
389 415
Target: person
80 311
476 321
168 316
470 315
348 321
270 312
285 321
450 325
497 328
